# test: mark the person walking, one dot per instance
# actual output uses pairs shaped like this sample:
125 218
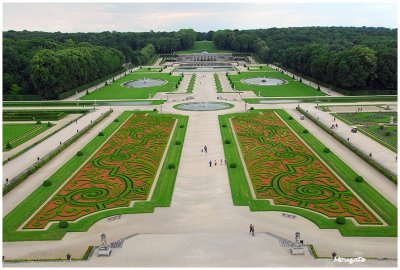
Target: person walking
215 163
221 162
252 231
68 257
205 148
210 163
251 228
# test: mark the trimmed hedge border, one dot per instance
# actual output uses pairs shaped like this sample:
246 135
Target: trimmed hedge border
41 140
16 181
392 177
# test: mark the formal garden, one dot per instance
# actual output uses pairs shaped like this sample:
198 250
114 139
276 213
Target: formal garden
271 83
290 170
375 125
136 86
98 182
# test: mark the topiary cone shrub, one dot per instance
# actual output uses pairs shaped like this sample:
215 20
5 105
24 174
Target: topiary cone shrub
340 220
46 183
101 134
116 120
154 110
227 142
171 166
38 122
181 126
233 165
359 179
48 124
63 224
305 131
224 125
79 153
327 150
8 145
290 118
251 108
319 88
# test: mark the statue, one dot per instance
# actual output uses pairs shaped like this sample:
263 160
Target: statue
103 240
297 247
104 249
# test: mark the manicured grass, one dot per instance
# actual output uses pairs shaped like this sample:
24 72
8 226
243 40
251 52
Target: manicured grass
191 83
368 124
162 195
242 196
292 88
322 99
148 69
203 46
115 90
17 134
218 83
39 115
260 68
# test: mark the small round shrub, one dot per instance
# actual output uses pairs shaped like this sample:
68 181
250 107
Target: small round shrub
46 183
359 179
387 134
106 83
233 165
290 118
327 150
340 220
171 166
101 134
38 122
177 142
116 120
181 126
319 88
224 125
48 124
79 153
227 142
381 127
305 131
154 110
63 224
300 80
170 73
251 108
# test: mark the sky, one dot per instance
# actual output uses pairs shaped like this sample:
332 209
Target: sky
139 17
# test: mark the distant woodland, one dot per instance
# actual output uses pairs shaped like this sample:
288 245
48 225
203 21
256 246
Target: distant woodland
49 64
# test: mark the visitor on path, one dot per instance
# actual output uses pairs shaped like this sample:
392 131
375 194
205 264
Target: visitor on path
370 154
205 148
334 119
7 179
221 161
215 163
68 257
336 125
334 255
251 228
210 163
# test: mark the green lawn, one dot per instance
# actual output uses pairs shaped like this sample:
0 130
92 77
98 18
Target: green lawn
145 70
242 196
203 46
371 124
115 90
17 134
289 89
162 195
260 68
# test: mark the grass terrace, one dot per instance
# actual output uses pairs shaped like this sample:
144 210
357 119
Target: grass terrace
203 46
17 134
116 90
292 88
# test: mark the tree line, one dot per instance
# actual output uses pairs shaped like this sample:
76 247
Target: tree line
20 48
352 58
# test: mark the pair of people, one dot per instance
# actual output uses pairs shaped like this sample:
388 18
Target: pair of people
252 229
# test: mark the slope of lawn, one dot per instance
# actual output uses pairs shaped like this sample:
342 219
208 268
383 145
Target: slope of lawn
203 46
17 134
241 193
116 90
292 88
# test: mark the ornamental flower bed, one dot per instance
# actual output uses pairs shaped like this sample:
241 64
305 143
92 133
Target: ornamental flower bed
122 171
283 168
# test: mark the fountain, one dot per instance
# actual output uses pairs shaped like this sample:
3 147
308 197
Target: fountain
263 81
145 82
203 106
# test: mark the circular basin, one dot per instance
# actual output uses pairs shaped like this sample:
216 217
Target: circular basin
203 106
263 81
146 82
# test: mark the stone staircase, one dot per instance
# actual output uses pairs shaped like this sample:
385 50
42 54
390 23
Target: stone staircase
120 242
283 242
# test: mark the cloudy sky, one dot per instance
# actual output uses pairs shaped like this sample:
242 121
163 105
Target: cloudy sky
135 17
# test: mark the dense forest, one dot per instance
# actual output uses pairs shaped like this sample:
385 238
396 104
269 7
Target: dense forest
47 64
353 58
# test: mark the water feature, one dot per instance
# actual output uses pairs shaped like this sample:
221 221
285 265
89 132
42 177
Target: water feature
204 69
203 106
263 81
146 82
